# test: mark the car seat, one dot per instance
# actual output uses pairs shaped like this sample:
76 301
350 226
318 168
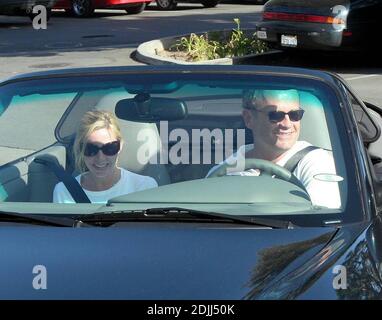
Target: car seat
142 155
314 126
137 138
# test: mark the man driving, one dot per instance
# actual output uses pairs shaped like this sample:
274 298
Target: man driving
274 117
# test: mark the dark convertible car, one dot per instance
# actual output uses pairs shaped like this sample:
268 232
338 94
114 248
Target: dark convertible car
204 232
350 25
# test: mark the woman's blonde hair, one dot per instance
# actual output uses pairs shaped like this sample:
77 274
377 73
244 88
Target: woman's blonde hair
90 122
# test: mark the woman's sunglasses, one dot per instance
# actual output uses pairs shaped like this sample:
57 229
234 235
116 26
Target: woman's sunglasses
108 149
277 116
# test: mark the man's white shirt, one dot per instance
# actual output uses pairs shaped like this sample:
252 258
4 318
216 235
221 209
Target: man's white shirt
316 162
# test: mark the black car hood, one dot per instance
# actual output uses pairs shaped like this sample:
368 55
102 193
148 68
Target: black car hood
152 261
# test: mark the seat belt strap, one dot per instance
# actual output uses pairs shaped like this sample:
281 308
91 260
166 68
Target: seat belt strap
78 194
292 163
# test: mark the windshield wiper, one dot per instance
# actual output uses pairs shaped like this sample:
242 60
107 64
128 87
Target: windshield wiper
179 214
36 219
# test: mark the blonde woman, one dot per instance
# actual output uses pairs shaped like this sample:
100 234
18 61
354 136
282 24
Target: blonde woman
96 149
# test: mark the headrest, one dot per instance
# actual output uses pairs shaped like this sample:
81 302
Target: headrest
314 128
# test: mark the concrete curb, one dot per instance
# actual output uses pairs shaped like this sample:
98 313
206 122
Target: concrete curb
147 53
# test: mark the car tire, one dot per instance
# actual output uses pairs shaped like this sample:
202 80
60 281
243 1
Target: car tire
136 9
210 3
166 4
82 8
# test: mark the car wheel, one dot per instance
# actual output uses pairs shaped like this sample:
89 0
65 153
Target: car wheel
82 8
210 3
136 9
166 4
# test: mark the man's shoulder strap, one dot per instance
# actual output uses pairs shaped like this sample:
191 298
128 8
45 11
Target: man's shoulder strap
292 163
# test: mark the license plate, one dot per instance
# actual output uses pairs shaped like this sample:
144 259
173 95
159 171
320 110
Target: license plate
288 41
261 34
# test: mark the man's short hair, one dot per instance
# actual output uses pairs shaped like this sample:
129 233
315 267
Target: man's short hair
251 97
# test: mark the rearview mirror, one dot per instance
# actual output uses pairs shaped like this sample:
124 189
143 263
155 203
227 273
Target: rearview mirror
143 108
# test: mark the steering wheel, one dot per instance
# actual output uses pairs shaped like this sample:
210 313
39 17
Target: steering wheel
266 168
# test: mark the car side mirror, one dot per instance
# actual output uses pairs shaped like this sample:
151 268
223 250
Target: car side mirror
369 123
377 182
378 194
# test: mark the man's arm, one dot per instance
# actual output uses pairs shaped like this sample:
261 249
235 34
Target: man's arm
310 171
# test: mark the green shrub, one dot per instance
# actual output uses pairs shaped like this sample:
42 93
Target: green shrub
220 45
198 47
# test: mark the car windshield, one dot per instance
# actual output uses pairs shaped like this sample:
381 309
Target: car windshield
217 142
